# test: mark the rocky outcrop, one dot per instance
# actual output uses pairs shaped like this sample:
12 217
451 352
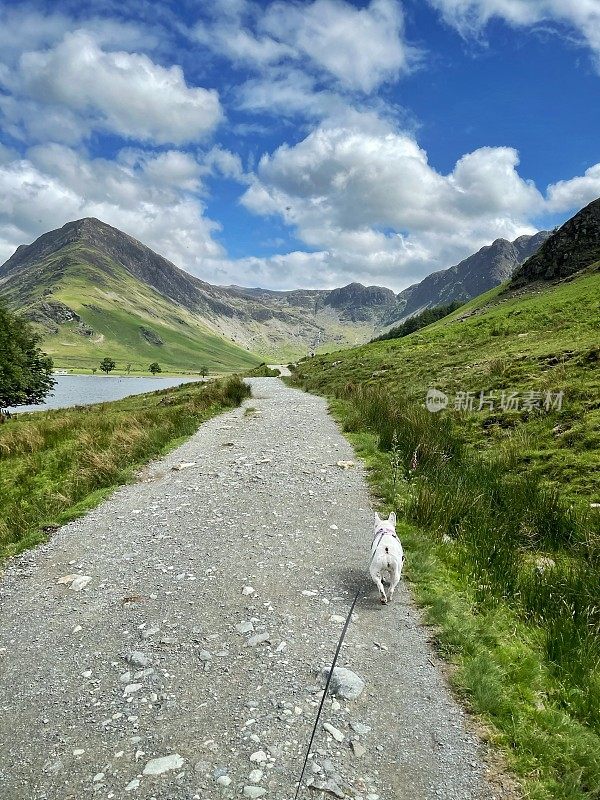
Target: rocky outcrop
574 246
49 314
151 336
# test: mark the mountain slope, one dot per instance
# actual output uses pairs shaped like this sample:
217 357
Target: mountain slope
523 338
474 275
573 247
89 306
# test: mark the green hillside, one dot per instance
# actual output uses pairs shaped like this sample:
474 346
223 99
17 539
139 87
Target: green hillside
119 317
543 339
499 508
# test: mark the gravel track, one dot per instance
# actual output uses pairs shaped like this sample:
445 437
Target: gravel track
263 506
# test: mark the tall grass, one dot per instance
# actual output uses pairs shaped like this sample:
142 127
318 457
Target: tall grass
54 463
520 543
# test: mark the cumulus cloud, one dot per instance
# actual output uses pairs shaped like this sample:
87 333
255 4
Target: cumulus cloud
581 16
361 47
365 201
339 180
358 48
123 92
576 192
25 27
145 195
368 198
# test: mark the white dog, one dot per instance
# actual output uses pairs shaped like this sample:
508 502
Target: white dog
386 555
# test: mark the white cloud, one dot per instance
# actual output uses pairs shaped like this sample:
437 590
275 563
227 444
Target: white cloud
25 27
575 193
368 197
356 48
126 93
471 16
341 179
144 195
361 47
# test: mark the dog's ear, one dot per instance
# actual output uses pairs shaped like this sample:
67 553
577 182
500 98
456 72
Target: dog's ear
392 518
377 518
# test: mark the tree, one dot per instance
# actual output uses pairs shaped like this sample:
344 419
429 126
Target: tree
107 365
128 368
25 371
155 367
204 371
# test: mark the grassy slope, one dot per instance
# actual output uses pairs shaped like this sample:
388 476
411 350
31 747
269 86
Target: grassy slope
54 465
542 341
115 307
524 643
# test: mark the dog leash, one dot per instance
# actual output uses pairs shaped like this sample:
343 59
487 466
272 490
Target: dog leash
333 663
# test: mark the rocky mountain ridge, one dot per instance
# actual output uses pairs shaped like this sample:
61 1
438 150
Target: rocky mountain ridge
476 274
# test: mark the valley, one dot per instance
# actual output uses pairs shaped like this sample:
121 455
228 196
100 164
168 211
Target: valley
93 291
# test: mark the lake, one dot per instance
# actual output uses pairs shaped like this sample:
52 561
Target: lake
82 390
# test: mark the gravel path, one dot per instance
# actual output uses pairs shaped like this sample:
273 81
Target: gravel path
168 652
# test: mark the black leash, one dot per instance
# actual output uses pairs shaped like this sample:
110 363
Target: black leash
335 658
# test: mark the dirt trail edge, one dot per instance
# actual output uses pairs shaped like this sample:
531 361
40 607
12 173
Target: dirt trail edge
185 667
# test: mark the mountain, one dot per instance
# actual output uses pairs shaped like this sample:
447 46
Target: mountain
485 269
573 247
96 291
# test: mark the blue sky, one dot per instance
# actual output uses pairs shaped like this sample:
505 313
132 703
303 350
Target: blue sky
300 144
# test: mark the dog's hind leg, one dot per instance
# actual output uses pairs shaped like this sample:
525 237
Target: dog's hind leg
377 578
394 578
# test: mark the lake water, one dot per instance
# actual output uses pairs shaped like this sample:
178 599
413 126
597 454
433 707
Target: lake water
82 390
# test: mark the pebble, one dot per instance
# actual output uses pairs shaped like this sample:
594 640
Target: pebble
329 786
157 766
254 791
134 784
80 582
244 627
258 639
259 757
139 659
223 780
247 591
255 776
337 734
344 683
359 728
357 748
